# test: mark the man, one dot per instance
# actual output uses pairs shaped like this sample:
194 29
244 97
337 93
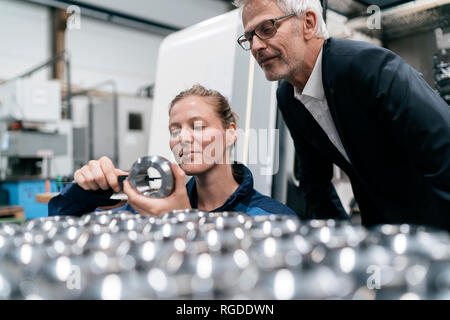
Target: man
358 106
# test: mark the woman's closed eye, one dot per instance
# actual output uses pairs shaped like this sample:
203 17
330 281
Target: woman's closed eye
175 133
199 127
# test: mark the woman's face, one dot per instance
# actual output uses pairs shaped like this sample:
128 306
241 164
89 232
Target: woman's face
198 139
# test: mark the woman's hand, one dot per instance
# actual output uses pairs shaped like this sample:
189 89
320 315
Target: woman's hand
177 200
99 174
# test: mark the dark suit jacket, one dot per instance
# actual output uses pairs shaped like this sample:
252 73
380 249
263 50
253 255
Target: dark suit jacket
394 128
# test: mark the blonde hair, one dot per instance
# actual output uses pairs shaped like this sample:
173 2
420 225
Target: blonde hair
216 99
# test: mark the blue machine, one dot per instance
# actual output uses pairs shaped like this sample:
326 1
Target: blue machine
23 193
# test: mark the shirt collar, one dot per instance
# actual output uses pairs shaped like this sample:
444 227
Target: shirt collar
314 85
245 188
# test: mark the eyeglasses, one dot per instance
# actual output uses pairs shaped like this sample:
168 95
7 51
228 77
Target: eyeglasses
265 30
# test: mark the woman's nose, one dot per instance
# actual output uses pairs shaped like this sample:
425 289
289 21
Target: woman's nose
186 135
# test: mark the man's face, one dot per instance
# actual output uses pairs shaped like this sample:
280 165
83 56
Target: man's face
281 56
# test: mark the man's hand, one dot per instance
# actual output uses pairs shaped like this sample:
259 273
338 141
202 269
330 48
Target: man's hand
99 174
177 200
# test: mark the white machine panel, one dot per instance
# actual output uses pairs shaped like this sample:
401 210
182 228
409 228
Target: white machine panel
30 100
208 54
133 128
203 53
134 123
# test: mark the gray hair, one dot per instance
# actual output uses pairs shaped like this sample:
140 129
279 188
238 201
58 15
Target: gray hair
299 7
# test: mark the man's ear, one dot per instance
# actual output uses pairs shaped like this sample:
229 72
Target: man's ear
310 24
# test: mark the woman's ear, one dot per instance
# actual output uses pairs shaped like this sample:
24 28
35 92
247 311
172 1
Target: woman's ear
231 135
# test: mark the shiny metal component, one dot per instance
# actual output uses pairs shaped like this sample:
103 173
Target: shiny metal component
9 229
68 235
193 216
106 242
438 277
131 223
122 214
194 254
159 282
335 238
6 242
219 241
283 252
261 229
148 252
287 284
23 260
52 281
187 215
410 239
181 268
226 221
229 214
5 288
274 226
171 231
152 177
101 218
219 275
113 286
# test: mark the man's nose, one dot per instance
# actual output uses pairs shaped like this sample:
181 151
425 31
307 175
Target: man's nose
257 44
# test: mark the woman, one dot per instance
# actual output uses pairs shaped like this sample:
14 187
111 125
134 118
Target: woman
203 132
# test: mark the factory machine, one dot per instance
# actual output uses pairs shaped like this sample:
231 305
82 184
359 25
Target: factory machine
34 141
442 64
212 58
112 125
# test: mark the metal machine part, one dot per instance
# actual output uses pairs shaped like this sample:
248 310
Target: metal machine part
193 254
152 177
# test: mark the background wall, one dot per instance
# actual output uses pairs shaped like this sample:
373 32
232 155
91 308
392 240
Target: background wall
176 13
100 51
418 50
24 37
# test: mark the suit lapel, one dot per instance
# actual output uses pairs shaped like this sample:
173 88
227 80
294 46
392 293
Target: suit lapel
330 95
